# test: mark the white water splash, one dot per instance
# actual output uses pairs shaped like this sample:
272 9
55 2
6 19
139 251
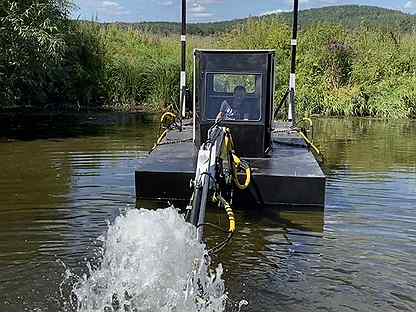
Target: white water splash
152 261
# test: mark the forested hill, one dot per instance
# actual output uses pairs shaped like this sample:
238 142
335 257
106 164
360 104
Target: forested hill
350 16
353 16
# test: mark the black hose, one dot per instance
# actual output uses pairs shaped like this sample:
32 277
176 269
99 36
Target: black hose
217 249
281 104
212 225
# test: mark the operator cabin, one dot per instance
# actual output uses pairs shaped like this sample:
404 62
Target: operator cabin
237 87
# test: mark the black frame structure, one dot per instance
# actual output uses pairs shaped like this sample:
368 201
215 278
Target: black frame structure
292 78
252 137
182 83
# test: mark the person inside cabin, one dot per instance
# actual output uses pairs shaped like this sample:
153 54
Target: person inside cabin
233 110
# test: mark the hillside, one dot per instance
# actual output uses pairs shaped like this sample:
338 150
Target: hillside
349 16
353 16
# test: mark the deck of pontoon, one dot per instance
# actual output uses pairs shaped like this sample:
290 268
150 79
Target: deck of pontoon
291 176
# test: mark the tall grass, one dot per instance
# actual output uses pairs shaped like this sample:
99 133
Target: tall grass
142 69
61 64
341 73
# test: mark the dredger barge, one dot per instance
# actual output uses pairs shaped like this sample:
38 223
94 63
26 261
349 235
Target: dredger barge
284 169
232 151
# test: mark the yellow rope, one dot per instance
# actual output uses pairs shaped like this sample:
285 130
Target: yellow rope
309 142
161 137
308 120
165 115
164 125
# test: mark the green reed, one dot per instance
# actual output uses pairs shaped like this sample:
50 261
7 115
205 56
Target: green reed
367 72
78 65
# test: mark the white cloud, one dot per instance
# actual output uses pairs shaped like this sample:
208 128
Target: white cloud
201 9
212 1
197 8
203 15
112 9
167 3
410 5
113 4
272 12
205 2
107 9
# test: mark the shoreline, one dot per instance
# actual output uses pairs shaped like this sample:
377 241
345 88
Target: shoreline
141 110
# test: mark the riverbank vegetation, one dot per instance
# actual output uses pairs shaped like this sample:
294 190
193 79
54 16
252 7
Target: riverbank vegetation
48 62
367 72
351 17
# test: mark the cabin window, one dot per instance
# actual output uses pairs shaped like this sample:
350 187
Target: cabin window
228 82
236 96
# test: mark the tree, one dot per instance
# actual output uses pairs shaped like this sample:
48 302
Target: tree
31 39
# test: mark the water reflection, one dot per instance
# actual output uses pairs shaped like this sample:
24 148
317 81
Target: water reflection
59 187
356 257
368 145
271 248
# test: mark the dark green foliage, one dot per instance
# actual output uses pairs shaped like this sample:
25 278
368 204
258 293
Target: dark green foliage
139 68
142 68
167 28
31 38
46 60
49 62
79 78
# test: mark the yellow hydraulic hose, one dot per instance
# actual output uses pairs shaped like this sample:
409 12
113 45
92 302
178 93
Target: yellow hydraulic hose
229 211
159 140
236 162
237 165
162 136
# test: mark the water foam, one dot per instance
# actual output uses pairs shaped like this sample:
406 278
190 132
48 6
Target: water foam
152 261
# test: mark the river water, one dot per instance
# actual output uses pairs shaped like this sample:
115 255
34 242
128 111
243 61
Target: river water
63 180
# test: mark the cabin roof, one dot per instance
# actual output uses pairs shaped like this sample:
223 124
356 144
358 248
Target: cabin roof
235 51
248 61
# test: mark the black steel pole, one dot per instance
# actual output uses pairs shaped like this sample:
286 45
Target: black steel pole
292 79
183 61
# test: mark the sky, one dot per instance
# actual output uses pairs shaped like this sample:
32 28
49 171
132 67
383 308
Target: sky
207 10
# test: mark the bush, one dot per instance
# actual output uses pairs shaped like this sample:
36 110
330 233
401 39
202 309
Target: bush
46 60
31 40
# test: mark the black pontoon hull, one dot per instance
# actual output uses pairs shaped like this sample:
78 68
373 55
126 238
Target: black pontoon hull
291 176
